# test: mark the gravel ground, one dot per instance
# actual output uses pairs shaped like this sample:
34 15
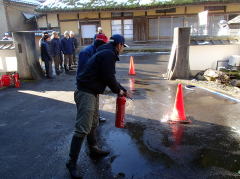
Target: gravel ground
225 89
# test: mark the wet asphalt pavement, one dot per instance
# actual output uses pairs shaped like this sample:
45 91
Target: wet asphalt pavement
37 120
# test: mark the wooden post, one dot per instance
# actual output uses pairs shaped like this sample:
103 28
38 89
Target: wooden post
178 66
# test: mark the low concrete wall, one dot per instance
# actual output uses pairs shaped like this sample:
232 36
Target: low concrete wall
202 57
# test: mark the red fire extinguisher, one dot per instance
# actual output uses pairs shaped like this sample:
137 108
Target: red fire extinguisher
120 111
1 85
6 80
16 80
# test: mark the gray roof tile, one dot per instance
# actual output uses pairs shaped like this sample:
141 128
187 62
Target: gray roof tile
29 2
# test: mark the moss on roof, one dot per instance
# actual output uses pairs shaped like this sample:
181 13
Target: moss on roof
97 5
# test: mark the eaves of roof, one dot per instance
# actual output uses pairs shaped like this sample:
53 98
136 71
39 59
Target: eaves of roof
20 2
133 7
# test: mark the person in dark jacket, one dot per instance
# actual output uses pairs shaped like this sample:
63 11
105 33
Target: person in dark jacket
87 53
45 54
40 40
75 45
56 51
67 49
92 81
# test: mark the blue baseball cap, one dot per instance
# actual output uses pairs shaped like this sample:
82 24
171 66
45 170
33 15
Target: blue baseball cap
118 39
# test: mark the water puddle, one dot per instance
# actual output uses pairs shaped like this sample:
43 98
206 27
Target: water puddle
219 158
132 159
142 82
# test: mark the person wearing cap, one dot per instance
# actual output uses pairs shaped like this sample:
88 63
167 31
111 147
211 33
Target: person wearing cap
75 45
99 31
88 52
45 54
40 40
56 51
98 73
67 49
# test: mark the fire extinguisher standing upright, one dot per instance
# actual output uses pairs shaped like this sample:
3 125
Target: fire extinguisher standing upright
120 111
16 80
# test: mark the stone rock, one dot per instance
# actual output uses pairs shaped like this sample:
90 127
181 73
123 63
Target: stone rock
202 78
211 75
199 76
224 78
214 75
235 83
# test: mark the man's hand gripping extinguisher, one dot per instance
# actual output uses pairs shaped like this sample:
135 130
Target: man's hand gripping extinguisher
120 111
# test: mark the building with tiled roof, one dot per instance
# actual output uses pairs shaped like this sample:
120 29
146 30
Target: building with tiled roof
17 15
137 20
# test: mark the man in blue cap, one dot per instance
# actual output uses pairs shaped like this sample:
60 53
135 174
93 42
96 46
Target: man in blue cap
87 53
99 72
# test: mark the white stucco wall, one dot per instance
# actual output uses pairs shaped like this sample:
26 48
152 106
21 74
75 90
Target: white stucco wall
8 61
202 57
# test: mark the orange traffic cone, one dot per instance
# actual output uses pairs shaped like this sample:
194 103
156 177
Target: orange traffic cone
131 67
178 114
131 84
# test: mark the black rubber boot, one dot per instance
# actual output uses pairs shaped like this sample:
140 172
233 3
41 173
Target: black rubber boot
76 145
66 69
70 68
92 144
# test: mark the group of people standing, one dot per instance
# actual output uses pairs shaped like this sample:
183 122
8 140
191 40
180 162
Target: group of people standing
61 51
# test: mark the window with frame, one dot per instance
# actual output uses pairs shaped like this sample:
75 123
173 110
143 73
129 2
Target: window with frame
165 27
128 29
192 21
122 14
153 29
116 14
213 24
123 27
116 26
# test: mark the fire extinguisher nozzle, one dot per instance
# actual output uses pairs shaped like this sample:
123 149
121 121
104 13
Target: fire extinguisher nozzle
130 98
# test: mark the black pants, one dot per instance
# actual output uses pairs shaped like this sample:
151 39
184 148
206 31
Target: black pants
48 67
61 60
